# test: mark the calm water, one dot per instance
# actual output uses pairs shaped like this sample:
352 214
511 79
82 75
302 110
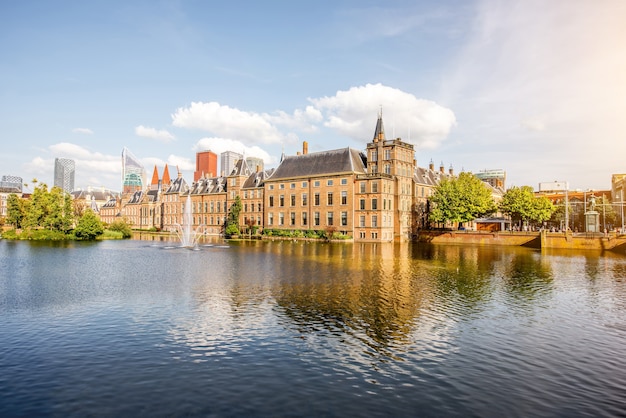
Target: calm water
136 328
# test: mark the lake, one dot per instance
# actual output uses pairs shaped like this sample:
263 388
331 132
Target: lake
146 328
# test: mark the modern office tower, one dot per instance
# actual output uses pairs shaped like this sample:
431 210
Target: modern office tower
11 183
255 164
496 177
206 165
64 170
228 161
133 173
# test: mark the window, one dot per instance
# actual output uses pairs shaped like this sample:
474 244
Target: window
374 187
344 197
362 221
245 194
304 220
329 219
271 202
344 218
316 199
362 187
374 235
281 218
344 182
387 169
362 235
281 200
292 221
245 207
316 183
374 155
292 185
304 184
329 199
329 182
387 154
270 218
281 186
316 218
374 168
212 207
304 199
362 204
271 187
374 204
259 207
293 200
219 206
374 221
384 204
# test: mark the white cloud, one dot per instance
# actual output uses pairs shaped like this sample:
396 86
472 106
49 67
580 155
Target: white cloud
92 168
159 135
85 131
534 124
228 122
419 121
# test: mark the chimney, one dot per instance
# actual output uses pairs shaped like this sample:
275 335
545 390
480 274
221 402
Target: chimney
258 168
451 170
431 165
305 148
441 168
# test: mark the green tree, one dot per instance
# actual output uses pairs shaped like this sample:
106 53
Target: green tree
521 204
89 226
232 221
123 227
16 213
461 199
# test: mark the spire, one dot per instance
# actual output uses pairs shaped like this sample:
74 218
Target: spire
155 177
379 134
166 176
282 155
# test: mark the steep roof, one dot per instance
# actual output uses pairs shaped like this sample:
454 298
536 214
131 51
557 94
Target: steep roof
155 177
241 168
166 176
256 179
344 160
379 133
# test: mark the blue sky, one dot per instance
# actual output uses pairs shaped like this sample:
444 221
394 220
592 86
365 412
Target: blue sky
532 87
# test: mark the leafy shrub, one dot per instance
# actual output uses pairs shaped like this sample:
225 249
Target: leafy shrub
122 227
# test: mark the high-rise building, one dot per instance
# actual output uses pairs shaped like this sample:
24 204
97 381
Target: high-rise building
228 161
64 170
133 173
206 165
255 164
11 182
496 177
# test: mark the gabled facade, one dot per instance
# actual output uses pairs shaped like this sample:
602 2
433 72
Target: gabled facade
314 191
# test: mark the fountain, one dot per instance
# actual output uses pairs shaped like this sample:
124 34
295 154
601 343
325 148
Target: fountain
186 234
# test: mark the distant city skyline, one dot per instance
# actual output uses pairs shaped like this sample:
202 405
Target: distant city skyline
535 88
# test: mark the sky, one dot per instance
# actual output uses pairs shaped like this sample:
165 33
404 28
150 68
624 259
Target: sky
536 88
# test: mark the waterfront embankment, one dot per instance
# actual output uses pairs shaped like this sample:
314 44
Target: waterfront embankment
543 239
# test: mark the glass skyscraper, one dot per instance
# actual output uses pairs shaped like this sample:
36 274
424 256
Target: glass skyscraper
64 170
133 173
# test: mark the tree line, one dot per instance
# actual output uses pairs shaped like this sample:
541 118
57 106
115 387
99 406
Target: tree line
53 214
465 198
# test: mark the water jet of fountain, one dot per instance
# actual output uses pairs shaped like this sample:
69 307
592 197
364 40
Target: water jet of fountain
186 234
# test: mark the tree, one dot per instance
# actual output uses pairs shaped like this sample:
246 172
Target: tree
89 226
123 227
521 204
461 199
232 222
16 211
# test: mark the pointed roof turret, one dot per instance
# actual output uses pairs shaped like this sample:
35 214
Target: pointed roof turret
155 177
379 134
166 176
